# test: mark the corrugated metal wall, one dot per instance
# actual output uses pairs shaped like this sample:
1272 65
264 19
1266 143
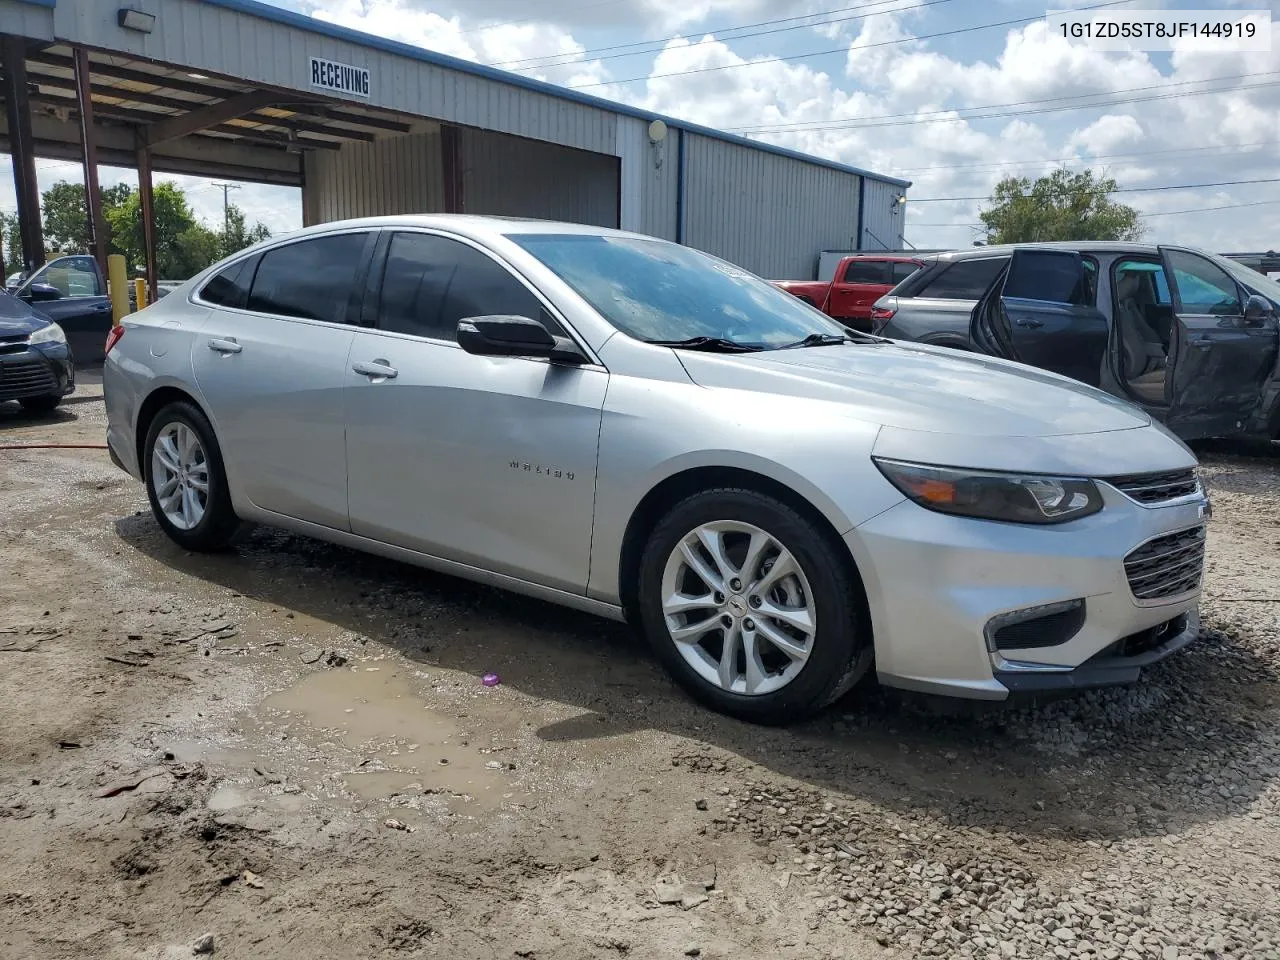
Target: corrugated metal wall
26 19
393 175
237 44
766 213
508 176
882 216
650 177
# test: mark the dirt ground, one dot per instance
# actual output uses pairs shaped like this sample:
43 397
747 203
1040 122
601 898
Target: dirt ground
288 752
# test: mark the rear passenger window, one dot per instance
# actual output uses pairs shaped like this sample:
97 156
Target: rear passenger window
867 271
312 279
903 270
1046 275
229 287
964 279
430 283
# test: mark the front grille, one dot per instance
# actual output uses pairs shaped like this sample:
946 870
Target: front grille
1157 487
13 343
1168 566
26 378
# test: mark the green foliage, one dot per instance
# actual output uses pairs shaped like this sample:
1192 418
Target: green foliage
236 236
1060 206
10 243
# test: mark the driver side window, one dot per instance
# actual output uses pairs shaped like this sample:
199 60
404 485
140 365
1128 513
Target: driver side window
1202 286
71 277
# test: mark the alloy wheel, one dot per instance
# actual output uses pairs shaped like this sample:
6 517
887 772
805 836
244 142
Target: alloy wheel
180 475
738 607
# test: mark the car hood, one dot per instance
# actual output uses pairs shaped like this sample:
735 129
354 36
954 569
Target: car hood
922 388
17 318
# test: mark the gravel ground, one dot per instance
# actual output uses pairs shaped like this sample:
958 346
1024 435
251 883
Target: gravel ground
289 747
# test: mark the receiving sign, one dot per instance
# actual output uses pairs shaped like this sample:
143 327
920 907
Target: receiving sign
340 77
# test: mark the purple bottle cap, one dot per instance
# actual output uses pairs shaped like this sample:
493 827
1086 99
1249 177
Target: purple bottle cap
491 680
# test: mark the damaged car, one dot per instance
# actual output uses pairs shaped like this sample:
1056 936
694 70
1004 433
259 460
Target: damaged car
1190 337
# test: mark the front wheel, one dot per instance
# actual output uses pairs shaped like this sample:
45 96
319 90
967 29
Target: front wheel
186 482
751 608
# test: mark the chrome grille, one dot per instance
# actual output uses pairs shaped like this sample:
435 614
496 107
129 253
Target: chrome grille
1157 487
1168 566
26 378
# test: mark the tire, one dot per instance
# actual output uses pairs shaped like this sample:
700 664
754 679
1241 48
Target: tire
838 649
217 525
45 404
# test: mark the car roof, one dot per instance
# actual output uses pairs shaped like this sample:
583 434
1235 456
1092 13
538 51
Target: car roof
890 257
470 225
1082 246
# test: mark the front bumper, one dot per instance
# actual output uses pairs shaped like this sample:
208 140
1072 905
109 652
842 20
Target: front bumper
43 370
938 587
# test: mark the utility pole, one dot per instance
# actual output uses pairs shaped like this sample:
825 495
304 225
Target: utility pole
226 214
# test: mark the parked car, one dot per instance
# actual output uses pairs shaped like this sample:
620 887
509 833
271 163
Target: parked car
1190 336
857 283
72 291
637 429
934 304
36 365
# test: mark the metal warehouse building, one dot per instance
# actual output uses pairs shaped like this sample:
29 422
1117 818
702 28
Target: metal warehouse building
240 90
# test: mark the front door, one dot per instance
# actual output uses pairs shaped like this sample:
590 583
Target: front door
272 372
863 283
487 461
1221 359
1042 312
79 303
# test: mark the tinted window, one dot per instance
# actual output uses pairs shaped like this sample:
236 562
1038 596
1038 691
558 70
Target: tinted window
1044 275
964 279
230 287
903 270
1203 286
867 271
1141 281
71 277
312 279
654 290
430 283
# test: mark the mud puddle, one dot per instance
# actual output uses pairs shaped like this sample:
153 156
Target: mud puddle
398 740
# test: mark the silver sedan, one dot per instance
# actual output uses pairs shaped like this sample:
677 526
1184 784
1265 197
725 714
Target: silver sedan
636 429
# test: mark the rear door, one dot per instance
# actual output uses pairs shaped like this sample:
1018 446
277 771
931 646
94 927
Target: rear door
1221 361
1043 313
81 307
271 363
862 283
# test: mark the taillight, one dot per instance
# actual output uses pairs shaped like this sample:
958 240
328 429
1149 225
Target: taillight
114 337
882 313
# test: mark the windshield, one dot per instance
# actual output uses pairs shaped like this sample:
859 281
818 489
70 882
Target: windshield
654 290
1258 283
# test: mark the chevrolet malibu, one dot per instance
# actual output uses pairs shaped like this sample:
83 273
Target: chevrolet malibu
636 429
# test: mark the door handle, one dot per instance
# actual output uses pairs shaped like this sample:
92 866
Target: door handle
377 370
1028 322
225 346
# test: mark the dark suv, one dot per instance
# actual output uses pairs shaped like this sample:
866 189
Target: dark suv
1189 336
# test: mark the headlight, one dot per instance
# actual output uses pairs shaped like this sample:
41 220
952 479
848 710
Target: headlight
50 334
1011 497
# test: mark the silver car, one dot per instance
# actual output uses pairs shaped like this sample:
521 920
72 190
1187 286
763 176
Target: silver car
636 429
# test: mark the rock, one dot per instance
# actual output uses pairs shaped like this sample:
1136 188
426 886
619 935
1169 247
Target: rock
700 804
1065 934
335 659
311 655
395 824
693 950
203 946
251 879
706 875
1169 953
668 891
693 900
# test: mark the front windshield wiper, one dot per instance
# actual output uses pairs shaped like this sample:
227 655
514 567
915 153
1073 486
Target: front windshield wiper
710 344
818 340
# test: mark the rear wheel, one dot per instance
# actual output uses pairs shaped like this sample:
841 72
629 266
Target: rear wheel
186 482
751 608
45 404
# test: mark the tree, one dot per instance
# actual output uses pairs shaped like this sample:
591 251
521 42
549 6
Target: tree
10 243
183 246
66 222
1060 206
236 237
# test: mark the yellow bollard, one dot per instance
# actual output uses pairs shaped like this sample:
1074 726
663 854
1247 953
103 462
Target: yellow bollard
140 292
117 286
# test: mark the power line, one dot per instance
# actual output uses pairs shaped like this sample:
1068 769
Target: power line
844 49
659 42
1175 186
997 164
932 116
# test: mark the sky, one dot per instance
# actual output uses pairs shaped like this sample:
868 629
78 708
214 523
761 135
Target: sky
904 87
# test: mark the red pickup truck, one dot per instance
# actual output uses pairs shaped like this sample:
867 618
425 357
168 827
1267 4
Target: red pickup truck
858 283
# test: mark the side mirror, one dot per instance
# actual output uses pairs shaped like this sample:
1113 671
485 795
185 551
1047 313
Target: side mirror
511 336
42 293
1257 309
